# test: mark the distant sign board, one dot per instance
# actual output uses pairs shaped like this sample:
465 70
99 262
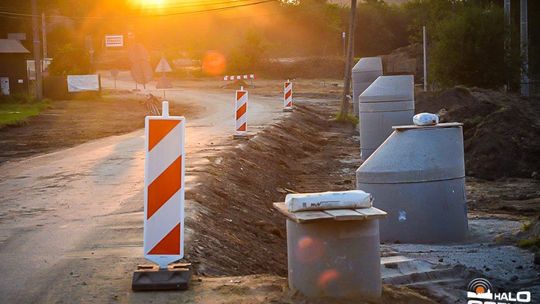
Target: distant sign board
83 83
113 41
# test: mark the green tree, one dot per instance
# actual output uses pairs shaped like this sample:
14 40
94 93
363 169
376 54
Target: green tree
249 55
380 28
70 60
468 48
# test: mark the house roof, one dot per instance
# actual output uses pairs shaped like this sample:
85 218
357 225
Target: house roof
11 46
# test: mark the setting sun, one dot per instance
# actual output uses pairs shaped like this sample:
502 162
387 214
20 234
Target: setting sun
150 3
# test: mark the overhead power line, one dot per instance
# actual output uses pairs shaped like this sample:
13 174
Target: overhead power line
147 7
29 15
189 4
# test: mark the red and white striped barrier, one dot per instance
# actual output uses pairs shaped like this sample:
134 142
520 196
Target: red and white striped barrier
164 172
287 96
241 104
239 77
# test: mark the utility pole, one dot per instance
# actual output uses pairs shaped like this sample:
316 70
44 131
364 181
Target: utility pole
344 41
44 34
348 62
507 22
37 50
424 35
524 39
507 38
89 44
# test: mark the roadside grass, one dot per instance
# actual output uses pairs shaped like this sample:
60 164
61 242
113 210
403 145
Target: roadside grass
15 110
347 119
530 242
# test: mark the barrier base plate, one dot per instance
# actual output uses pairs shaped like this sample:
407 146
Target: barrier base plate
287 109
240 136
150 277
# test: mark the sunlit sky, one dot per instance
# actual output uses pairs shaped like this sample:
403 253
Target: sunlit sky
178 3
152 2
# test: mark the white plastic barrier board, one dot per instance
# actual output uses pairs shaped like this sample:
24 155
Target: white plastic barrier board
164 173
83 83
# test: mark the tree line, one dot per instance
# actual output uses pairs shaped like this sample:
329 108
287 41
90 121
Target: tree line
466 37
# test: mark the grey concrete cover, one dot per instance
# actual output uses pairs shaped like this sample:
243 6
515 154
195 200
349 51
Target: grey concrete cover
426 212
363 74
416 154
418 176
387 102
389 88
367 64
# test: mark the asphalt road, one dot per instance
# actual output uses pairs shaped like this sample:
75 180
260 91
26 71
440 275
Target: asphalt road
53 206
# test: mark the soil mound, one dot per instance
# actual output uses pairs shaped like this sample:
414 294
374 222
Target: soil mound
501 131
236 85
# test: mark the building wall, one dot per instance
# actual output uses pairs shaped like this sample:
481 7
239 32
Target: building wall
14 67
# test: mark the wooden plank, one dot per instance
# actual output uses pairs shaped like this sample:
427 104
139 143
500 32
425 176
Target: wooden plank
395 259
310 216
335 214
302 216
345 214
283 210
372 213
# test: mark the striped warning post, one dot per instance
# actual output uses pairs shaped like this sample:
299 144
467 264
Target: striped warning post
164 173
287 96
240 116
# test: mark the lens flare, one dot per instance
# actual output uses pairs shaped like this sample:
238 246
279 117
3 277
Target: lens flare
309 249
214 63
327 277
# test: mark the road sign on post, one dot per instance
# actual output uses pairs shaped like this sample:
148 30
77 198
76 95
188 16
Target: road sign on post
287 97
164 173
163 82
163 66
114 74
241 104
141 71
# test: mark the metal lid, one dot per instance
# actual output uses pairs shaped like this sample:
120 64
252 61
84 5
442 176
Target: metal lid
439 125
389 88
416 154
368 64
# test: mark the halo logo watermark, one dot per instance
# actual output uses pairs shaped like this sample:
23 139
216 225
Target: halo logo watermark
480 291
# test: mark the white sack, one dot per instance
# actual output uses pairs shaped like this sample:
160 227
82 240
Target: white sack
328 200
425 119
